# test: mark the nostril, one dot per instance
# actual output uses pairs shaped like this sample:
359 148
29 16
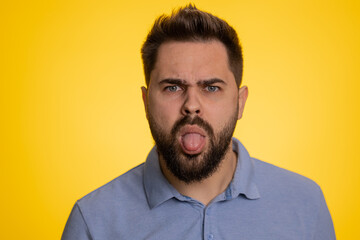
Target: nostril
189 111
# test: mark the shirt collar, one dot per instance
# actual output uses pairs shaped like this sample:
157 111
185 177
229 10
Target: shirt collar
159 190
244 177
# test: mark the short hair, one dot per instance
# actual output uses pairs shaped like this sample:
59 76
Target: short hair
191 24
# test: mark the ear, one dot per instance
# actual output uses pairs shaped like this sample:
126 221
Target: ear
144 97
243 94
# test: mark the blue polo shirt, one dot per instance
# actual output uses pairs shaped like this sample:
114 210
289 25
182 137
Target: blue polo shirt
261 202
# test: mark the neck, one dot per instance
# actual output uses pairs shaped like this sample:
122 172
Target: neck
206 190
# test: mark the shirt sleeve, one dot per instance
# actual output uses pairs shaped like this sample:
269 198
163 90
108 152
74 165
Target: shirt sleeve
324 229
76 228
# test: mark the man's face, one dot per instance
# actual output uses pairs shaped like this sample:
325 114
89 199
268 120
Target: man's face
192 104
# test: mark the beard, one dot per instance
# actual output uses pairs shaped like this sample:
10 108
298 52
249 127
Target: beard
197 167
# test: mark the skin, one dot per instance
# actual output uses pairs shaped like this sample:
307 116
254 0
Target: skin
194 78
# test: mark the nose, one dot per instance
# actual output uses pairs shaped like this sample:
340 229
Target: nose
191 105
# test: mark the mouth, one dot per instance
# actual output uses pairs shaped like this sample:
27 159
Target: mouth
192 139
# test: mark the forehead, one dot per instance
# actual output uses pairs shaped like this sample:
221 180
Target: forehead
192 61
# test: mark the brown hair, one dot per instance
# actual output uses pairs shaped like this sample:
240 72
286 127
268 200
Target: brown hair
191 24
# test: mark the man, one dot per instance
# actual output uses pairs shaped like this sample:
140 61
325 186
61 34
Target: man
198 182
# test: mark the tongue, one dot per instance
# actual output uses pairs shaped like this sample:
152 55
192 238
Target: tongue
192 141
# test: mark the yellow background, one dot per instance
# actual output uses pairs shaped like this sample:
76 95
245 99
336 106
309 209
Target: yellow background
72 117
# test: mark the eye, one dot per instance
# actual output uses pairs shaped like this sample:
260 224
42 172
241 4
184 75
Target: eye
212 88
173 88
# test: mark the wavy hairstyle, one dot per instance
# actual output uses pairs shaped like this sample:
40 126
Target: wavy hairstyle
191 24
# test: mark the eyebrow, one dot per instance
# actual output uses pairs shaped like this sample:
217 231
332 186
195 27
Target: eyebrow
211 81
172 81
183 82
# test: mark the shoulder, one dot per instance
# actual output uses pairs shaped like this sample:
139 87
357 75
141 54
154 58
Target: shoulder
114 202
276 182
289 195
121 189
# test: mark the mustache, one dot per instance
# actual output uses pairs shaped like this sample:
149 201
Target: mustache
187 120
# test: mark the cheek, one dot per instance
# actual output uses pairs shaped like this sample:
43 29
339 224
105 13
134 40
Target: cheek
219 115
163 112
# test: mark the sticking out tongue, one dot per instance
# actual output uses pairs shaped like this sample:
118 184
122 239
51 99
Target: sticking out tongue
193 142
